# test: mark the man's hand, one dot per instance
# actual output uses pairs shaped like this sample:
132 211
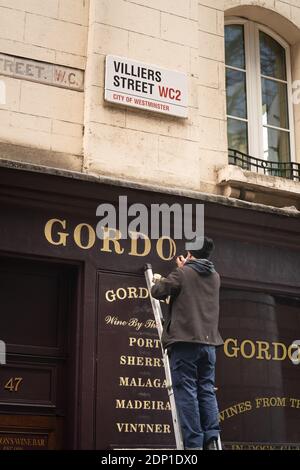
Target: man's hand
180 261
156 278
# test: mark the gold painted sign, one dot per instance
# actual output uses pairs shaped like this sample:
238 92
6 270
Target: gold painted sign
133 406
23 441
254 375
13 384
261 350
259 403
58 233
260 446
257 375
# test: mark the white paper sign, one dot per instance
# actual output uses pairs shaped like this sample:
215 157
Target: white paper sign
144 86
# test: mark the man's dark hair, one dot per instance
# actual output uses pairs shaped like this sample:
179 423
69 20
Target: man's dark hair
206 250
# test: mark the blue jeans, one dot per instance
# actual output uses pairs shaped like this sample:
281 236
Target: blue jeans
193 377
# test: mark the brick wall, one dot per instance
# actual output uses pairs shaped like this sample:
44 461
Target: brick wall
182 35
39 115
179 35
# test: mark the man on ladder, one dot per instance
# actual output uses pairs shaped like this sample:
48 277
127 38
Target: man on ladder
191 335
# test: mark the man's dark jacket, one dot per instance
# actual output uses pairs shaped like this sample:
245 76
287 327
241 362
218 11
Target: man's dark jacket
194 307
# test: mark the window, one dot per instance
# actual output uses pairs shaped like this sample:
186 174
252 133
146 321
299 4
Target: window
258 86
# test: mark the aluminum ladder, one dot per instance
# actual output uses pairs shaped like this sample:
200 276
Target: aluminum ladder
159 322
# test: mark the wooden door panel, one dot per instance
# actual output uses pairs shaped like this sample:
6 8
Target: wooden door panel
21 432
33 307
35 315
28 384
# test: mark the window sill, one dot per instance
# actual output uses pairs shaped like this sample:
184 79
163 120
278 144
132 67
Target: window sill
250 186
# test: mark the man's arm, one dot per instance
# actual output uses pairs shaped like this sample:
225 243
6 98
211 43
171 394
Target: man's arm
170 285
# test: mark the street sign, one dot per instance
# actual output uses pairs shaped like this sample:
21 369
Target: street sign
144 86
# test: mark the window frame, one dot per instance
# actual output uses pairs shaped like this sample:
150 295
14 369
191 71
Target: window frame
254 85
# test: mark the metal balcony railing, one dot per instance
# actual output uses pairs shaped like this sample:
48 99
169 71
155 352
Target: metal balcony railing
290 170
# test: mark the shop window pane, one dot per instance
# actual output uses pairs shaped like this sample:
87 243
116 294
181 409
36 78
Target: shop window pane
237 135
274 103
236 93
234 46
272 57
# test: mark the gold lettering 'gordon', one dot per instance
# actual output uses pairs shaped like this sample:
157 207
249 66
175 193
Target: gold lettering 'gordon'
58 233
260 350
41 72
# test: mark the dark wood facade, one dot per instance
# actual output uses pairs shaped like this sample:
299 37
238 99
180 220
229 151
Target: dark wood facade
83 368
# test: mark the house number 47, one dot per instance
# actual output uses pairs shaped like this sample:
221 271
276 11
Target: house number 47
13 384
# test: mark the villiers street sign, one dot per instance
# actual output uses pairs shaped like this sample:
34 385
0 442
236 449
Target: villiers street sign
144 86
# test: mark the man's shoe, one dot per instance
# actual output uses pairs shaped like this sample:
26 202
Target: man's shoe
212 444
